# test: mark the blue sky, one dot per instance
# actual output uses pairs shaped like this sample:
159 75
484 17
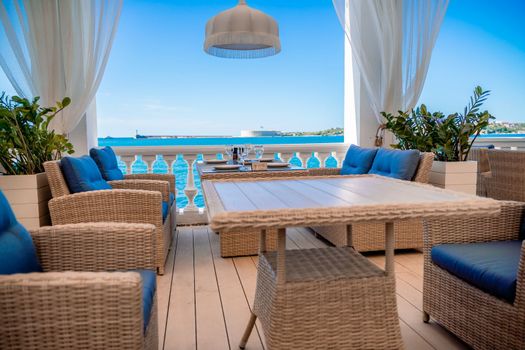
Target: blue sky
159 80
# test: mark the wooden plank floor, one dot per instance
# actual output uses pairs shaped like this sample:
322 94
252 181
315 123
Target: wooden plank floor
205 300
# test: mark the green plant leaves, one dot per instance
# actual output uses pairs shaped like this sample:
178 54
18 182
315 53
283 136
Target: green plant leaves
449 138
25 141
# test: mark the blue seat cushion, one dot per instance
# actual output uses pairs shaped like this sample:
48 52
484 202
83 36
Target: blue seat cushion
17 251
165 210
358 160
395 163
172 198
149 286
489 266
82 174
107 163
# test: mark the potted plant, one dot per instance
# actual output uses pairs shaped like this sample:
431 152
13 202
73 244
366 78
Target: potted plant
450 138
25 144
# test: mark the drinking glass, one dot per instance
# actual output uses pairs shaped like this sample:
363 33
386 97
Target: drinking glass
229 151
259 151
243 153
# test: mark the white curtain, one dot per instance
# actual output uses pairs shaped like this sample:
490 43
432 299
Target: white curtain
58 48
392 43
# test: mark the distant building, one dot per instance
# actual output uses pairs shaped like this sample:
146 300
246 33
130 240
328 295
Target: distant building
258 133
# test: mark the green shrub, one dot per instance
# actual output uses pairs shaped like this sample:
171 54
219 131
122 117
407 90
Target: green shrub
450 138
25 141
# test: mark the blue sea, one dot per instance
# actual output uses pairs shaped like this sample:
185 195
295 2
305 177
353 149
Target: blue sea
180 168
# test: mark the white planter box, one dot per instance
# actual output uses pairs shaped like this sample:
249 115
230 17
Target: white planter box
28 196
456 176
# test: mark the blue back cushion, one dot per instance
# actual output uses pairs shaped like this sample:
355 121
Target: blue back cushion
395 163
17 252
107 163
82 175
358 160
149 286
165 210
490 266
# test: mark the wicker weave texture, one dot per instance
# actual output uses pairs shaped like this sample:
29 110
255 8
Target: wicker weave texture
73 310
96 247
242 242
170 178
479 319
252 174
371 236
506 180
147 185
332 299
118 205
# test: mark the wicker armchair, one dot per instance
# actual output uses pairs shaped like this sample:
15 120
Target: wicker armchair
478 318
61 309
481 155
506 178
131 201
371 236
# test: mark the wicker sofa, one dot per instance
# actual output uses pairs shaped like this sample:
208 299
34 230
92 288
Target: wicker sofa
481 316
371 236
45 305
130 201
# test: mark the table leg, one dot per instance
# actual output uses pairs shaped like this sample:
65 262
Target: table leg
262 242
349 239
281 246
389 248
281 249
248 331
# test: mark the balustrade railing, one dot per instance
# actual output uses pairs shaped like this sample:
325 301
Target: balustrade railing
181 161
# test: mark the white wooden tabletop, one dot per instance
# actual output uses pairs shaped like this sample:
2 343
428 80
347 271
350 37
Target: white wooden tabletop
274 203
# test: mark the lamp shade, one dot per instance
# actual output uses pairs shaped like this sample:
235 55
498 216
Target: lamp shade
242 32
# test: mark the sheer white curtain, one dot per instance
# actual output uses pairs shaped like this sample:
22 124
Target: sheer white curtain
392 43
58 48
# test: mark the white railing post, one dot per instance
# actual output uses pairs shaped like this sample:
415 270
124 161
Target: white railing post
322 158
303 158
128 160
149 160
170 160
190 191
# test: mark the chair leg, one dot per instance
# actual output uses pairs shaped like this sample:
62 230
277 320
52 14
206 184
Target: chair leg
248 331
426 317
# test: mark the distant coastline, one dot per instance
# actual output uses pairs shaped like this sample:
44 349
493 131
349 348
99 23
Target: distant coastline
216 140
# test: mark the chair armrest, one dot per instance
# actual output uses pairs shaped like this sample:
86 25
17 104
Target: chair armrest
160 177
96 247
324 171
520 282
131 206
71 310
506 226
146 185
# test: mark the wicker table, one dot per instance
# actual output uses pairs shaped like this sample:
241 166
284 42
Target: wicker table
330 297
207 172
242 242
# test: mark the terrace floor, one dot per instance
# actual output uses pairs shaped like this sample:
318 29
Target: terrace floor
204 300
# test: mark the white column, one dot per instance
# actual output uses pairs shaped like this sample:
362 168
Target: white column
351 97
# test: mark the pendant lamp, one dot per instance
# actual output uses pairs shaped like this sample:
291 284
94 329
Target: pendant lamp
242 32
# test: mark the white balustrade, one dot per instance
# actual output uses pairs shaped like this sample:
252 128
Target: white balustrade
190 154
